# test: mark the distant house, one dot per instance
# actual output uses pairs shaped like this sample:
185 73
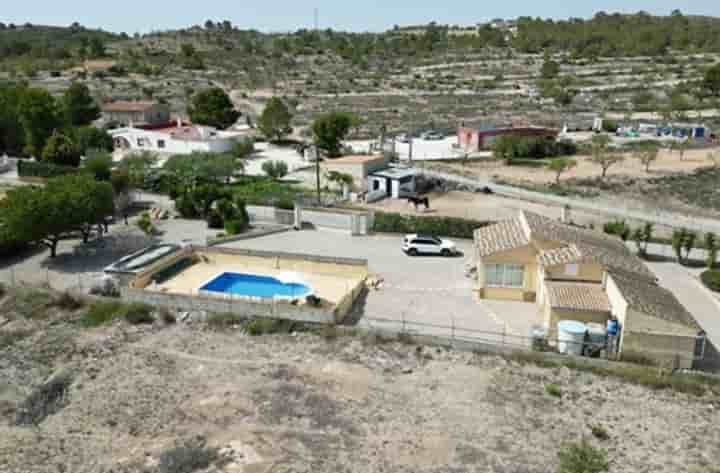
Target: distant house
178 138
482 136
582 275
126 113
373 176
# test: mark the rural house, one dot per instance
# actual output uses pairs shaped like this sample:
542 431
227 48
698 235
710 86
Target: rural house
481 137
583 275
178 138
373 175
126 113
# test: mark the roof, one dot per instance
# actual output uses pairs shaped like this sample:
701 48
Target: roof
356 159
127 106
394 173
577 296
502 236
652 300
583 246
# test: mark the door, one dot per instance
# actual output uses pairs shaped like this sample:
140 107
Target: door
388 186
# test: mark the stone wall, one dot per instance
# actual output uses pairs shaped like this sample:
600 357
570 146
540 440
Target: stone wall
224 304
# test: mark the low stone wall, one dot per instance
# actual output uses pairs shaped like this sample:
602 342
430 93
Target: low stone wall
350 267
246 236
222 304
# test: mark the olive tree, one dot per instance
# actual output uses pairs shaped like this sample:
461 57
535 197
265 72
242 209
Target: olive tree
560 166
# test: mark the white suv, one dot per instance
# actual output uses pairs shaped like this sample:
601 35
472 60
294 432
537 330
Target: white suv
428 245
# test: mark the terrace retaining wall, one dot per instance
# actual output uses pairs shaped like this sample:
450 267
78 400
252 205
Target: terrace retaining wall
224 304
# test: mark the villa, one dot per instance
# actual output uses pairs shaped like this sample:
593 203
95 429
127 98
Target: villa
583 275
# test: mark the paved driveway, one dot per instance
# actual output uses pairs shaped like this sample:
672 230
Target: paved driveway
698 300
427 290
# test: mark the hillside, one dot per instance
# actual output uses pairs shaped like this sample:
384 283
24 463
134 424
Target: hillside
135 398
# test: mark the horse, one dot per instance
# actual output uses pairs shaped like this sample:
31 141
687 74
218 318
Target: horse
416 201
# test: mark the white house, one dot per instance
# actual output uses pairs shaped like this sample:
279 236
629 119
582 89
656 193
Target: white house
174 139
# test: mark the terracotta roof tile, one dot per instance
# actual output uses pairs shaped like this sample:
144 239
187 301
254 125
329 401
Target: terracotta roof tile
577 296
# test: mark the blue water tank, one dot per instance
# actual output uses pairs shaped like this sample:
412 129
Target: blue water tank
613 326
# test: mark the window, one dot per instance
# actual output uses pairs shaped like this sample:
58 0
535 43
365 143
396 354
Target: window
376 185
161 143
571 270
505 275
140 142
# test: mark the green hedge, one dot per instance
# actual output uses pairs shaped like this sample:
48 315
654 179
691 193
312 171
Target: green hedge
42 169
440 226
711 279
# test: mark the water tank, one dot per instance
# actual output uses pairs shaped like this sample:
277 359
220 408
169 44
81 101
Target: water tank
597 337
571 335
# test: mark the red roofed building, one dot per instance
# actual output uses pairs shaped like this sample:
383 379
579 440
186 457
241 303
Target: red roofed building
481 137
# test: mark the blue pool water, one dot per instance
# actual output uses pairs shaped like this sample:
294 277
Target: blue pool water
257 286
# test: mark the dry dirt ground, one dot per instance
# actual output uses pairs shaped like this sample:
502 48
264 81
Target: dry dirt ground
308 403
668 163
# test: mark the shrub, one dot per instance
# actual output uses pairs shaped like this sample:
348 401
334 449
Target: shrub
234 227
137 313
599 432
275 169
43 169
553 389
101 313
445 226
214 220
224 320
44 401
711 279
285 203
189 456
618 228
68 302
167 316
582 458
186 207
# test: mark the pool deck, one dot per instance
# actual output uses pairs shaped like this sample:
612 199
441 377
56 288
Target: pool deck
189 281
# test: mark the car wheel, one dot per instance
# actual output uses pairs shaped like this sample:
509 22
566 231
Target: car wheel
412 252
446 253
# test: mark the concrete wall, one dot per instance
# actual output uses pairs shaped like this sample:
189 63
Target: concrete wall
270 214
233 305
348 267
669 350
151 141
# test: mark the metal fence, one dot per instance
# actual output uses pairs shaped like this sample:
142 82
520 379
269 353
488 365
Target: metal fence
503 342
655 216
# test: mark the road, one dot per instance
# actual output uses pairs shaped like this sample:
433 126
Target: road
697 299
657 217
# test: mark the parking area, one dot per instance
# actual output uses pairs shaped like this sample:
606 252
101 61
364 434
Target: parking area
432 291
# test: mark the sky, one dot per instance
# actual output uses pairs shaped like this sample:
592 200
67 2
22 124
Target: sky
142 16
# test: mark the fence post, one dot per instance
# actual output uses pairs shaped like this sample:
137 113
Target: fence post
403 323
452 328
503 334
12 276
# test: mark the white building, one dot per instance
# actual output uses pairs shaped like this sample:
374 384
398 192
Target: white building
178 139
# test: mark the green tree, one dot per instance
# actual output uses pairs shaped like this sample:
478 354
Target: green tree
582 458
213 107
78 106
89 138
275 169
329 131
96 47
677 242
711 250
38 113
601 156
274 122
711 81
339 178
647 155
682 147
139 166
550 69
560 166
99 165
46 215
689 243
12 133
243 148
61 150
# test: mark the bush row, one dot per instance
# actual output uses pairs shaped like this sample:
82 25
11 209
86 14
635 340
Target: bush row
441 226
43 169
711 279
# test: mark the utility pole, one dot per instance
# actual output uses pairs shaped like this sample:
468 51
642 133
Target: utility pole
317 175
316 13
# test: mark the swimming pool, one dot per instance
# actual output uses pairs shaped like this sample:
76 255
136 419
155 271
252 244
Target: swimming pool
254 285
